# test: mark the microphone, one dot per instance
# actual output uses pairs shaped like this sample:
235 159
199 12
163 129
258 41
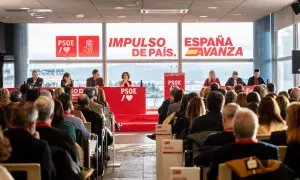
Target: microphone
141 83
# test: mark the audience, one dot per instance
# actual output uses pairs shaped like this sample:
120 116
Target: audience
242 99
238 88
284 93
212 121
5 150
175 104
32 95
223 91
283 104
230 97
201 94
295 95
101 98
46 93
214 87
271 88
15 98
24 90
4 108
4 97
260 90
26 146
58 91
269 116
70 119
97 108
246 145
253 97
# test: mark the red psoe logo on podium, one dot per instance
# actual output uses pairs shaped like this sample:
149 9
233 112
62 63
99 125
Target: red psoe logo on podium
173 80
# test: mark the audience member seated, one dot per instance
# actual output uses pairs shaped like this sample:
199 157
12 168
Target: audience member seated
226 136
77 113
26 147
97 108
272 95
246 145
223 91
46 93
175 104
4 97
53 136
5 150
58 91
214 87
101 98
24 90
70 119
4 102
58 120
260 90
242 99
212 121
295 95
271 88
283 104
253 97
230 97
201 93
269 116
32 95
194 109
284 93
15 98
238 89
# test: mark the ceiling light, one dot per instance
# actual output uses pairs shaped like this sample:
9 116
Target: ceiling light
40 17
24 8
212 7
203 16
119 7
79 15
122 17
48 22
130 5
32 14
237 14
40 10
164 11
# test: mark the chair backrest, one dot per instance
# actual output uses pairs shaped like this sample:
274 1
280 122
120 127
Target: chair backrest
282 152
263 137
224 172
88 126
81 155
33 170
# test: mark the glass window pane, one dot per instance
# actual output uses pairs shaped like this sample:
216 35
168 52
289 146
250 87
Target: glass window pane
152 76
196 73
284 75
8 75
53 73
285 41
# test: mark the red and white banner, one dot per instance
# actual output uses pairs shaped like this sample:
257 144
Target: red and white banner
89 46
172 80
66 46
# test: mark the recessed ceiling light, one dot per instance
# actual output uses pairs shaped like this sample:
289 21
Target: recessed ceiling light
24 8
40 17
237 14
130 5
212 7
32 14
164 11
122 17
203 16
118 7
40 10
79 15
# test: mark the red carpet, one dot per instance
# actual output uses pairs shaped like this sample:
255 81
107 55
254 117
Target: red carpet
138 122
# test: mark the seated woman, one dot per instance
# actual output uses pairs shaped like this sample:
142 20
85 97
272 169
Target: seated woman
235 80
269 117
212 79
67 82
125 80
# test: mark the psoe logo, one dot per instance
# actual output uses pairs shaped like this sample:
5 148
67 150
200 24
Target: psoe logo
173 83
128 94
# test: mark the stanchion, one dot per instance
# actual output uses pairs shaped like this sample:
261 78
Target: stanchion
113 164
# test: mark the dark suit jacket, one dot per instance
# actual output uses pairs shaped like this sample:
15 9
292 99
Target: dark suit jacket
38 83
251 81
230 82
292 157
28 149
219 139
279 138
261 150
58 138
163 111
210 122
90 82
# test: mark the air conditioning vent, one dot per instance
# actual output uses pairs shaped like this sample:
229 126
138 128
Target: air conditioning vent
164 11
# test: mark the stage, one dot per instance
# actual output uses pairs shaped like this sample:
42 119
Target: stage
138 122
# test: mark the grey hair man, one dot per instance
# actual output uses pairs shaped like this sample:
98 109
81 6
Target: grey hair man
46 93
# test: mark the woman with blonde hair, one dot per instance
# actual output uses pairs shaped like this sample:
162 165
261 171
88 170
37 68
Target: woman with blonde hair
269 117
5 150
242 99
4 97
202 92
212 79
58 91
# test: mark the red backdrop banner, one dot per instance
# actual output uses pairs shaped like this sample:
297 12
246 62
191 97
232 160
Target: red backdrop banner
171 80
66 46
89 46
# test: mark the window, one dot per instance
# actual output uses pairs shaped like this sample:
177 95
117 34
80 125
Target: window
53 73
151 74
196 73
217 40
8 75
285 42
284 75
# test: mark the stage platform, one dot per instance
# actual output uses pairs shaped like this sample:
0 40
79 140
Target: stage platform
138 122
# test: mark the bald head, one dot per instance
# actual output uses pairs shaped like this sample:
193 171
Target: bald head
245 124
83 100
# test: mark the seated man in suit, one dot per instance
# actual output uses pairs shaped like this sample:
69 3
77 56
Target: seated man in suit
26 147
245 128
53 136
96 80
212 121
256 79
235 80
35 81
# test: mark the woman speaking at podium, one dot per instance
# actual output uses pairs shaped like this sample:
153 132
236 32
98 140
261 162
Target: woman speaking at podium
212 79
125 82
